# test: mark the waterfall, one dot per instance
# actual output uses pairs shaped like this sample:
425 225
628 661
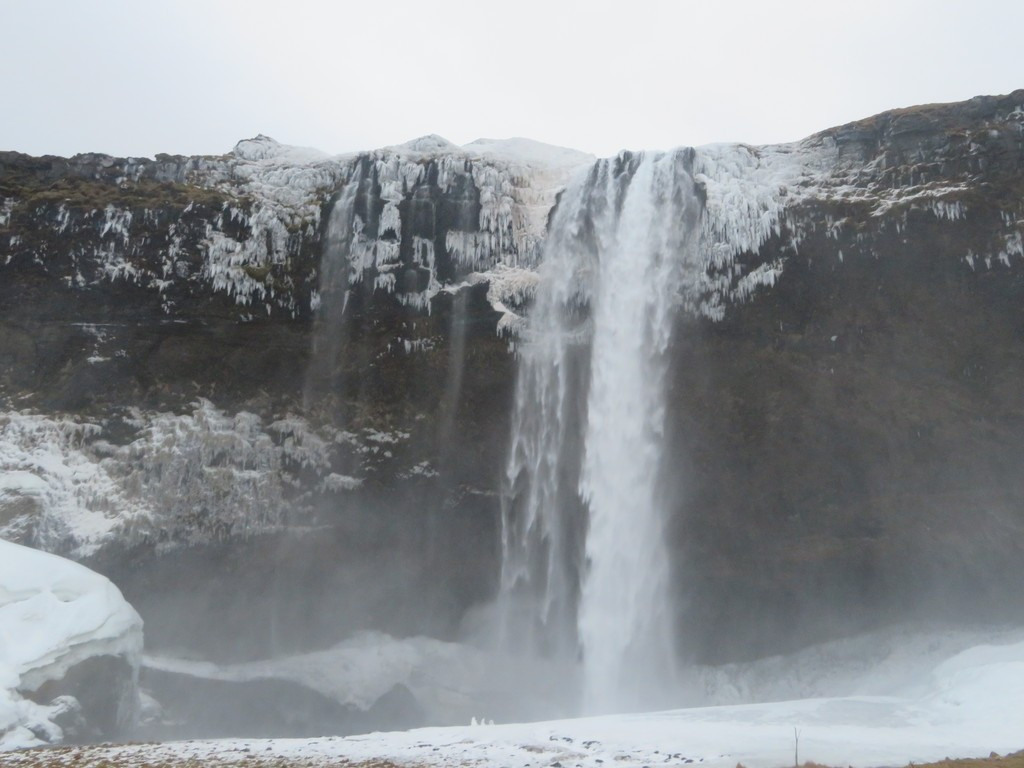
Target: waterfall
586 569
332 296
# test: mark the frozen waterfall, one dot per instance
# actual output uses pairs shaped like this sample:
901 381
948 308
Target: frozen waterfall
585 570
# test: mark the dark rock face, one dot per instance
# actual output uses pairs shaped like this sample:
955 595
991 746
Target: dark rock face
846 443
100 699
402 563
850 440
196 707
108 305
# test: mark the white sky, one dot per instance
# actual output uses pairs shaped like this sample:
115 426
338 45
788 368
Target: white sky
136 77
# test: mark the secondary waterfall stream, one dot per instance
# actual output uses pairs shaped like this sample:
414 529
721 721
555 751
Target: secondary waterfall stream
586 568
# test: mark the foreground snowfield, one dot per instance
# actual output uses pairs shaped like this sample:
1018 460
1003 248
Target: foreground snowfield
969 705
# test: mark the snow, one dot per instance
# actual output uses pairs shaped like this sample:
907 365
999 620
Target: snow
430 144
54 614
264 148
530 153
966 705
513 152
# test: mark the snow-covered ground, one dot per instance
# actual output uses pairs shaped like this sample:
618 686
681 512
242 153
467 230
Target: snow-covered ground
54 614
968 704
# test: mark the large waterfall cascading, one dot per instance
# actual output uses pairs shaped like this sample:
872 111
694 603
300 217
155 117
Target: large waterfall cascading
586 568
625 624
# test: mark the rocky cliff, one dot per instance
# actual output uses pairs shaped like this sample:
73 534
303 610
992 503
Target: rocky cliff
199 351
851 437
230 382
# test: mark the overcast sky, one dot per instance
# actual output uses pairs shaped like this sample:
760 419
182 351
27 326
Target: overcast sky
135 77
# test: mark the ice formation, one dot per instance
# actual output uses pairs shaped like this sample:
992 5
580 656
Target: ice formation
516 182
500 194
6 206
54 614
274 199
447 678
192 476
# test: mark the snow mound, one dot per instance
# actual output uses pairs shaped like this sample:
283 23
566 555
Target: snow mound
264 148
54 614
529 152
429 144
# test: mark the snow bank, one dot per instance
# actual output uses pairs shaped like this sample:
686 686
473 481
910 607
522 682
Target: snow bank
54 614
895 661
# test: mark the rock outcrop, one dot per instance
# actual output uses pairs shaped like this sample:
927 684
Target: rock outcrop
234 381
848 442
282 368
